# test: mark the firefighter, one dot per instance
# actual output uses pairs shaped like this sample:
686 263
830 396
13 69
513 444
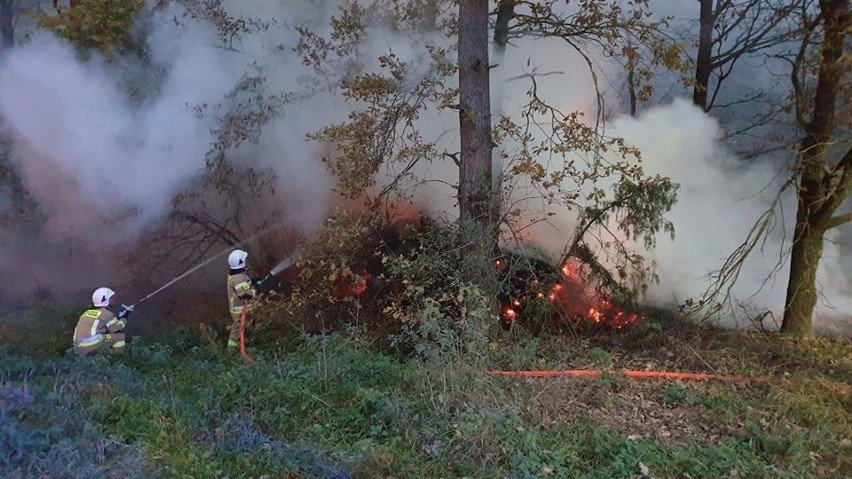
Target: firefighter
241 293
99 329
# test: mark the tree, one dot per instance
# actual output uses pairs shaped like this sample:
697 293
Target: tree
566 165
823 185
505 12
734 35
7 169
105 26
7 25
820 75
730 31
475 183
551 160
703 63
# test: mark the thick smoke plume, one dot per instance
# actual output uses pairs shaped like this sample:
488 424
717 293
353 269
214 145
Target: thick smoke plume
77 133
104 167
719 201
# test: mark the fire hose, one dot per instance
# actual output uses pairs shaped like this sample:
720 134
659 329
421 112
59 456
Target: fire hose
281 266
248 359
587 373
277 269
592 373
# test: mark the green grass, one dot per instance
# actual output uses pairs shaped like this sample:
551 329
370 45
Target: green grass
330 406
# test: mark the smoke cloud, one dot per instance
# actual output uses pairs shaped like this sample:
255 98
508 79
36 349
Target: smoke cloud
720 199
105 167
77 133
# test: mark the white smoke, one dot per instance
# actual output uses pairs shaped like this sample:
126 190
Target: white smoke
78 134
720 198
103 166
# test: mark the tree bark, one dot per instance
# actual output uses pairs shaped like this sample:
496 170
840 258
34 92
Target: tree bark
704 61
505 12
430 16
631 78
475 169
7 25
801 289
818 201
7 41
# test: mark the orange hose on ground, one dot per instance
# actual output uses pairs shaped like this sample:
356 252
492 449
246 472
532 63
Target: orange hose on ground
630 374
245 356
588 373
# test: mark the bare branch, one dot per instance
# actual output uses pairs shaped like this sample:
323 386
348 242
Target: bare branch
839 220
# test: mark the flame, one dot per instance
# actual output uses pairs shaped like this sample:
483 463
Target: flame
576 302
570 271
554 294
353 286
594 315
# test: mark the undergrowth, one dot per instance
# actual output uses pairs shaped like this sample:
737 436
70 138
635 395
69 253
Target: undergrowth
333 406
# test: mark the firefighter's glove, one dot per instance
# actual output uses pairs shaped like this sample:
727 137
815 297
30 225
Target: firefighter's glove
125 311
260 281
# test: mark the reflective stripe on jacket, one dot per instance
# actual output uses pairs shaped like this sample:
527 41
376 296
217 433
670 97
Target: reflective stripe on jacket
92 341
94 323
238 285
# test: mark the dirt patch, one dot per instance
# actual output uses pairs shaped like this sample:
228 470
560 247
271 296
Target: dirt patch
640 411
637 409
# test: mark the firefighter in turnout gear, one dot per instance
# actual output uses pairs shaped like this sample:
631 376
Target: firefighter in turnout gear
99 329
241 293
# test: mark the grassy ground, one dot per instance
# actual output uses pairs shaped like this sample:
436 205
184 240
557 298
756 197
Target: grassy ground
178 405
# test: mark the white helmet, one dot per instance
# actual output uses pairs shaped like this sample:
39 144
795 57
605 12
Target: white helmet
237 259
101 297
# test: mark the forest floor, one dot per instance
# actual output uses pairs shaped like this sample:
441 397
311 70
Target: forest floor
177 404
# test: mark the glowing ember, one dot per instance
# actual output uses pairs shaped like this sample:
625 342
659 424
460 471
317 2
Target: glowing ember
352 287
554 294
575 302
569 270
594 315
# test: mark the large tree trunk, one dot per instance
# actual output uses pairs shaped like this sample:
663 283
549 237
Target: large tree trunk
7 41
631 78
505 12
430 16
7 25
801 289
475 170
704 66
818 199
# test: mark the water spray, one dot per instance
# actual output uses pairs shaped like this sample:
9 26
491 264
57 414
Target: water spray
283 265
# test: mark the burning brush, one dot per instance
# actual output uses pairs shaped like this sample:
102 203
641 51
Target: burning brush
534 289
